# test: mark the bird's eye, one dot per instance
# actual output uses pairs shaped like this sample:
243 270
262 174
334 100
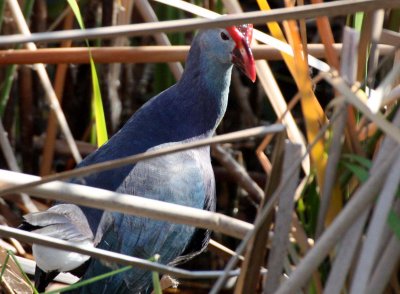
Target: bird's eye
224 36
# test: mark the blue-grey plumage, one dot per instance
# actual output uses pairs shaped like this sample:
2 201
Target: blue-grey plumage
189 110
184 179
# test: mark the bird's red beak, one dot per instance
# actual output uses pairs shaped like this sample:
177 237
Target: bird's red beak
242 56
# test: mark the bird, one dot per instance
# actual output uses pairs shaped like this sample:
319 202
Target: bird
187 111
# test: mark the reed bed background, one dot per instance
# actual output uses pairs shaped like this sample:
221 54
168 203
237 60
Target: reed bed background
308 190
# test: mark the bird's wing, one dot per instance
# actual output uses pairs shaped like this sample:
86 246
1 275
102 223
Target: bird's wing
183 178
63 221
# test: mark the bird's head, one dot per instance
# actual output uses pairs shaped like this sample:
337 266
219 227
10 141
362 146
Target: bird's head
232 45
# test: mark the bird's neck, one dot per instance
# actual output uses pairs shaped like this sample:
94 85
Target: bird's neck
204 89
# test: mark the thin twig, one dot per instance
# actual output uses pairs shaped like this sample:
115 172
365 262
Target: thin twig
238 172
219 248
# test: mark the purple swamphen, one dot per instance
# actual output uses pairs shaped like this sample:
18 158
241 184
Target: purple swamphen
189 110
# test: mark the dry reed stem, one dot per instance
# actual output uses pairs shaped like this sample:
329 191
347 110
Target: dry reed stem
257 246
12 280
275 96
390 37
129 204
283 222
262 157
303 30
102 166
265 163
335 148
349 71
16 245
220 249
142 54
277 100
363 46
342 7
